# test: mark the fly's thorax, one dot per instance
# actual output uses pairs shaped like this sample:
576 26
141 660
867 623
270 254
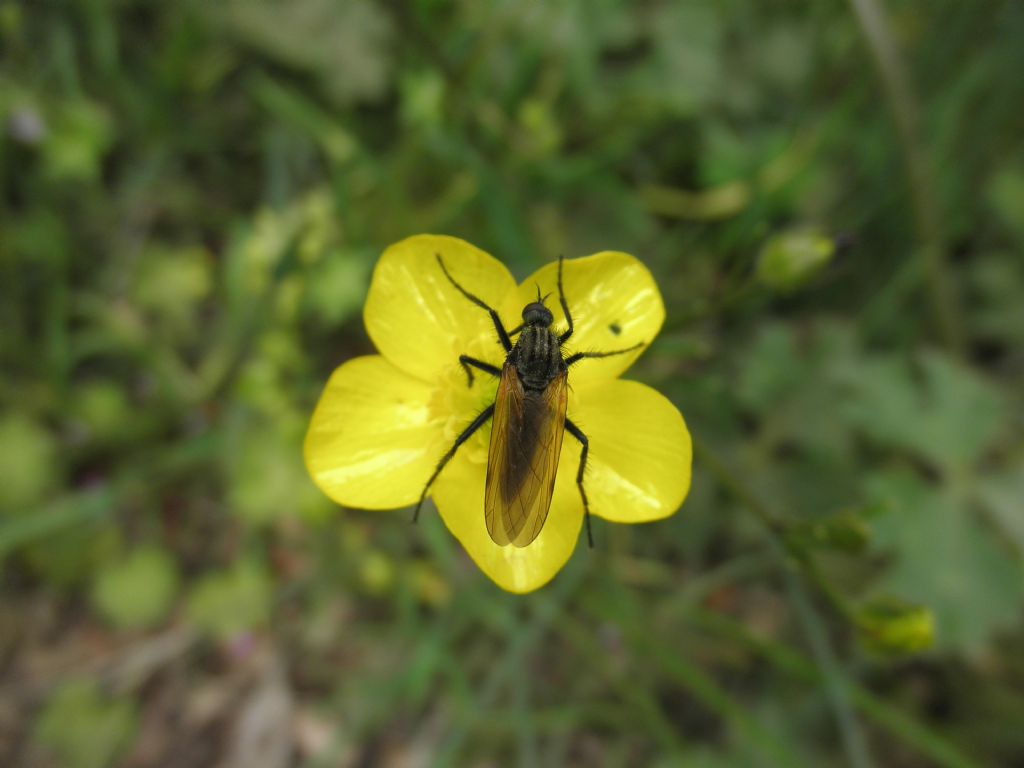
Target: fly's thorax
537 356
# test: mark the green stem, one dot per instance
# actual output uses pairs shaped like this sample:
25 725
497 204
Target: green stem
834 681
638 699
801 557
794 547
897 722
927 216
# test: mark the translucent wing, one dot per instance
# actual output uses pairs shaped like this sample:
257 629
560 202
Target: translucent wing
526 440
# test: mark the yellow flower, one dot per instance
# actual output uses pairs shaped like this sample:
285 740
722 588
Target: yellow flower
385 420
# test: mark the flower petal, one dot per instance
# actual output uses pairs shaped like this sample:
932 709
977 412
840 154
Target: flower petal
459 496
640 456
416 317
614 302
372 442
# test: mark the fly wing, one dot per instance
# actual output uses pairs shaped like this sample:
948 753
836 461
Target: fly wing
526 440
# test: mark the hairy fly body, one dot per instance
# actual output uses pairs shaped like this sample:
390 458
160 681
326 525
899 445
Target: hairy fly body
529 413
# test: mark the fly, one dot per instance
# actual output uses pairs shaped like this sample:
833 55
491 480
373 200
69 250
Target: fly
529 413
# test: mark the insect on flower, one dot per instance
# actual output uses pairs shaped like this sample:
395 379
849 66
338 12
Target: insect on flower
396 427
529 420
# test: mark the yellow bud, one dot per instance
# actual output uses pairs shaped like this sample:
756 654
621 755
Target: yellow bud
790 259
892 626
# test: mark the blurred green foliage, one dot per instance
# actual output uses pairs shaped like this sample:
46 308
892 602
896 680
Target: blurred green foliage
192 197
138 590
229 602
83 727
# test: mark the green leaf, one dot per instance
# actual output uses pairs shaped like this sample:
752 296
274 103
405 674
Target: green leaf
345 44
232 601
996 284
80 136
1003 497
422 104
783 382
688 39
294 107
946 560
137 591
337 286
965 412
1006 195
771 369
784 54
29 466
91 506
171 282
950 416
83 728
269 479
101 409
68 557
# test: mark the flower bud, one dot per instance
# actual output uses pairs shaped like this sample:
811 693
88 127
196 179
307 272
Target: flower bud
846 531
789 259
891 626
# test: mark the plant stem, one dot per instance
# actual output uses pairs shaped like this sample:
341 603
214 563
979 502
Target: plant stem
833 680
899 723
794 547
927 216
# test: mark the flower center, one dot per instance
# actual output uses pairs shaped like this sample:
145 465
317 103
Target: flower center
455 404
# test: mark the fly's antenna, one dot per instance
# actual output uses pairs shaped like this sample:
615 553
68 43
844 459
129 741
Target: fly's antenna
540 299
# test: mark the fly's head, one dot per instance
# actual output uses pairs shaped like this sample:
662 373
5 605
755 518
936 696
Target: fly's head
537 315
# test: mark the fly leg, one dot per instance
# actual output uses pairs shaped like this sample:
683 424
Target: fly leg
467 433
468 363
575 358
576 432
506 342
565 305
